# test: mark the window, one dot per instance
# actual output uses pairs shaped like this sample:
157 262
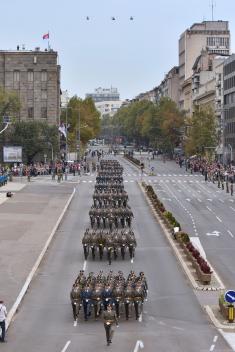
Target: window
43 112
30 112
44 76
16 76
30 76
44 94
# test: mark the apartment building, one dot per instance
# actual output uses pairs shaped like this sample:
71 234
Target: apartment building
35 77
229 108
213 36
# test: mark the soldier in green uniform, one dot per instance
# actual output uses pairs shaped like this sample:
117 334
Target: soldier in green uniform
109 317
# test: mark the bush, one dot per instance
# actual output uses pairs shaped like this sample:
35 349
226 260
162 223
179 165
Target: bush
183 236
222 301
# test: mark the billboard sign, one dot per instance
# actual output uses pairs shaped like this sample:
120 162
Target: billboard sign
12 154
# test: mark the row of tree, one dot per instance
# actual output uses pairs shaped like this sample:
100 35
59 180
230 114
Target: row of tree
161 126
38 139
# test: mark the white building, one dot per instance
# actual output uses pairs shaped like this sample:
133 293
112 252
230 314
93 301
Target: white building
213 36
104 94
108 107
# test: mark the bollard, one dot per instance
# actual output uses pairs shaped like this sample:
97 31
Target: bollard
230 313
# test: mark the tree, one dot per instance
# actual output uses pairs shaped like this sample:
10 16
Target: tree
9 103
86 112
202 134
172 124
36 138
157 125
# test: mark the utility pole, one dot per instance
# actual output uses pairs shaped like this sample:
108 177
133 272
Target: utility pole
79 135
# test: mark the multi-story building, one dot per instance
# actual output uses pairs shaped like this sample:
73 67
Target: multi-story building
108 107
213 36
169 87
104 94
229 108
35 77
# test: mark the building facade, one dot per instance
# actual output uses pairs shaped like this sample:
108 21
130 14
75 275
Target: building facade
108 107
35 78
229 108
104 94
213 36
169 87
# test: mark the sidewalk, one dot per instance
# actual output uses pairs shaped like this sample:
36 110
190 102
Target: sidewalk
26 222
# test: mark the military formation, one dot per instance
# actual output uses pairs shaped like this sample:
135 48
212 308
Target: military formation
94 293
110 235
110 216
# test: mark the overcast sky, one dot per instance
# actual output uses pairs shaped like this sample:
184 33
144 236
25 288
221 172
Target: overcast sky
130 55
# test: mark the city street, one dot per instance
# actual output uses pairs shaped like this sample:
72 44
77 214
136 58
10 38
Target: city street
172 319
202 209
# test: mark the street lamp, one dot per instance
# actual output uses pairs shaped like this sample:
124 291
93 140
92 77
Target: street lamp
6 120
231 152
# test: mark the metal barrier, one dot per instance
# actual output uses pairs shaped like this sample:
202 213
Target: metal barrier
3 180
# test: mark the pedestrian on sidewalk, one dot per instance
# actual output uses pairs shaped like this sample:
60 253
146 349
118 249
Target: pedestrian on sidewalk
3 315
231 188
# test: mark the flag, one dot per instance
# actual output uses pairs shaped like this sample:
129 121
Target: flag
45 36
63 130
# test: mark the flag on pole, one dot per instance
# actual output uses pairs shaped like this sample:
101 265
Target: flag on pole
63 130
45 36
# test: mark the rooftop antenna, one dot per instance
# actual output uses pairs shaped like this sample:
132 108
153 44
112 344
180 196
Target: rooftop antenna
213 4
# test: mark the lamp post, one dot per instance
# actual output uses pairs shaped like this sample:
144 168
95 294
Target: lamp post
6 120
231 152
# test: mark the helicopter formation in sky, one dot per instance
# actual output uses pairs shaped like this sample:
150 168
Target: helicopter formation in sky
112 18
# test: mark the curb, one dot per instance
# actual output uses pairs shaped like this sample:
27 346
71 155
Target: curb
25 287
215 321
179 257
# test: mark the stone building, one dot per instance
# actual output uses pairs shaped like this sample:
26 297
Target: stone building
35 77
229 108
213 36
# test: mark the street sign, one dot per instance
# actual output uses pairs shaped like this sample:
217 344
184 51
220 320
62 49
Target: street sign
229 296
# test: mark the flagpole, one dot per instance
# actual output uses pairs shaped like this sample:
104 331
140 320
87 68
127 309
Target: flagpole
48 43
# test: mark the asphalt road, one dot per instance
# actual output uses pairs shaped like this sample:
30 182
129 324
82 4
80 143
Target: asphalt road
203 210
173 320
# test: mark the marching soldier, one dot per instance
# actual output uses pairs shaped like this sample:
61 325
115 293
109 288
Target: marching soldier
109 317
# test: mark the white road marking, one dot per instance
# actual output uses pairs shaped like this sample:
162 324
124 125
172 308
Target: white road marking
134 181
90 181
177 328
84 265
215 339
84 181
232 208
212 348
188 199
75 323
231 200
218 219
132 260
209 199
221 200
139 344
230 233
161 323
66 346
214 233
209 209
